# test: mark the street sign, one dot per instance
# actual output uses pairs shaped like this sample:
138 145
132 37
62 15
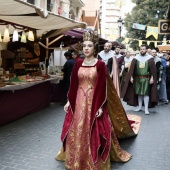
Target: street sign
164 27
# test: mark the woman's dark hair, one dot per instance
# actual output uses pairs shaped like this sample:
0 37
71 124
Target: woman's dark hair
96 49
68 54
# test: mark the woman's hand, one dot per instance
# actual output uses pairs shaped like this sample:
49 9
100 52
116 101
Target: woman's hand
66 106
131 79
99 113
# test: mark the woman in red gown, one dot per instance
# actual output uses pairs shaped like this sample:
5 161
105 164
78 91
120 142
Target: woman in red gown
89 133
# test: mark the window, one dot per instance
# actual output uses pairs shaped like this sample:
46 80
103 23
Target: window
49 5
31 1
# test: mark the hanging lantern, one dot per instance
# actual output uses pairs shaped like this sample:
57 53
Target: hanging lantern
23 37
15 36
6 35
0 37
31 36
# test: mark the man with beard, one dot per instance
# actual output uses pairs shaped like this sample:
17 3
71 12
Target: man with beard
108 56
106 53
140 83
119 56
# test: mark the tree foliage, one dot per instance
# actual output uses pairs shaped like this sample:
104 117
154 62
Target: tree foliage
146 12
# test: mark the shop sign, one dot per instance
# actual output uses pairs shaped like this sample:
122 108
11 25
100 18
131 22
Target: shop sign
164 27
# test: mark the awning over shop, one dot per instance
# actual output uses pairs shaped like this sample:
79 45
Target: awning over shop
23 14
69 38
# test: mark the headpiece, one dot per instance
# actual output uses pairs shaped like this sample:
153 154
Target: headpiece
91 36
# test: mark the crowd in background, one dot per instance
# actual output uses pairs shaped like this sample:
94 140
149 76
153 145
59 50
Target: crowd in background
119 68
124 59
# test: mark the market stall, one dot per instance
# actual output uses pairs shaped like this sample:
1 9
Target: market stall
25 96
24 85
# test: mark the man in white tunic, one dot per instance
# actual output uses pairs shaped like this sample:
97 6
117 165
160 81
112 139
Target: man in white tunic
106 53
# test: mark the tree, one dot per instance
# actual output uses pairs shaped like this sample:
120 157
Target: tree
146 12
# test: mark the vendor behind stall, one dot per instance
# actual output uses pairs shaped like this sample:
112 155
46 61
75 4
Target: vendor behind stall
68 66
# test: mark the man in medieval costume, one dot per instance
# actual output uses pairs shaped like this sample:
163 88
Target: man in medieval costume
159 69
140 84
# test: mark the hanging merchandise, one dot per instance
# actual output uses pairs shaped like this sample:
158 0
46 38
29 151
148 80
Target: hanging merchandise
30 36
15 36
6 35
23 37
37 49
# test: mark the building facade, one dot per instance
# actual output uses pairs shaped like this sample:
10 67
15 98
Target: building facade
90 14
110 12
102 15
67 8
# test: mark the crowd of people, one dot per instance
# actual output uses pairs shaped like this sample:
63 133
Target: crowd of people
121 65
118 65
95 118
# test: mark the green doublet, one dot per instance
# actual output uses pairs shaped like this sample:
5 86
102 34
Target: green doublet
142 74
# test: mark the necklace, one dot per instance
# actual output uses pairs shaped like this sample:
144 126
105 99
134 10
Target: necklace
91 62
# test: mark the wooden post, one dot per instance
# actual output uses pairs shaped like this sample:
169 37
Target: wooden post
47 48
46 58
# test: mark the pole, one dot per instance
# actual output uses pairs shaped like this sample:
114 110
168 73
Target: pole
120 29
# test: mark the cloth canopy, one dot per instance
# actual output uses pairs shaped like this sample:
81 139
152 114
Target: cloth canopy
70 38
28 15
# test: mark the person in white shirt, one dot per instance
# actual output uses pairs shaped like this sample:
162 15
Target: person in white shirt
127 61
105 54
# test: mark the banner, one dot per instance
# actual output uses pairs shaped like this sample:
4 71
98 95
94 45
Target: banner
138 26
152 31
148 43
126 40
164 26
156 44
140 42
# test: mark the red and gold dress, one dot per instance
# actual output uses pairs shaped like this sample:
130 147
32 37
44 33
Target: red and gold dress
89 142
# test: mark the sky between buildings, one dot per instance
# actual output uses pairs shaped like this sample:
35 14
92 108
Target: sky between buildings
127 7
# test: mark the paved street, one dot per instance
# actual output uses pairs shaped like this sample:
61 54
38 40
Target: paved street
31 143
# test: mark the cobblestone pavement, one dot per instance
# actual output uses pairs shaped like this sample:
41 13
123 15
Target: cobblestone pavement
32 142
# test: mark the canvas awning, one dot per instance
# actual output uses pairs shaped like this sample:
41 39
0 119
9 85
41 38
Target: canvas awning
69 38
28 15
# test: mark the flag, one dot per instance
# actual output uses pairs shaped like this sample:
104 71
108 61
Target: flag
138 26
148 42
140 42
156 44
152 31
126 40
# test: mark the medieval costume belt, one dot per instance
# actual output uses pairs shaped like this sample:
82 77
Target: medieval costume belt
142 76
